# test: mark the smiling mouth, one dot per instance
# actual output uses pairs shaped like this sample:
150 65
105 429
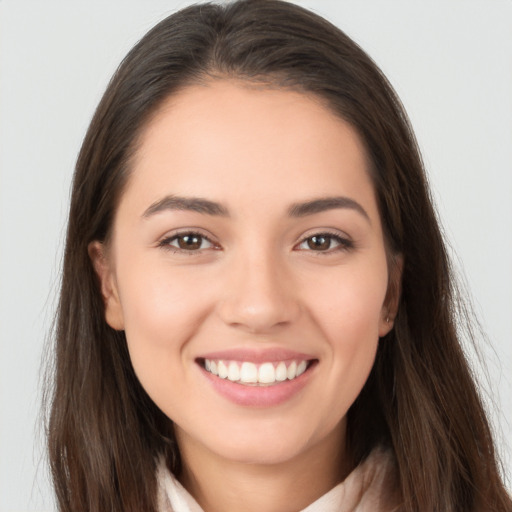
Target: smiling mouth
251 374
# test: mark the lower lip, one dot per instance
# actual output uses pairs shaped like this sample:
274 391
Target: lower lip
259 396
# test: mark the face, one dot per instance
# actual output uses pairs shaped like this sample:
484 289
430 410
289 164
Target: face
248 269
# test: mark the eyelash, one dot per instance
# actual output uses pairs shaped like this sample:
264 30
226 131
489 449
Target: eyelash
344 244
166 242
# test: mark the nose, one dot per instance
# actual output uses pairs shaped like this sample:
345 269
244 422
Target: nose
260 297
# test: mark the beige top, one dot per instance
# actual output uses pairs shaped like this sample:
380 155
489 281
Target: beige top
369 488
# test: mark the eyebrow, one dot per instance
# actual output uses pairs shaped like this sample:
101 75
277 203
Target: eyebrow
207 207
326 203
194 204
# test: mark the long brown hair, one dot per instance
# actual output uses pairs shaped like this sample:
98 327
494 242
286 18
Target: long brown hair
104 432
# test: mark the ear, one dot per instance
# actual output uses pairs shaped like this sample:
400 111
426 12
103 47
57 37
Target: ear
392 299
108 286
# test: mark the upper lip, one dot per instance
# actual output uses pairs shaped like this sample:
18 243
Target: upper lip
257 355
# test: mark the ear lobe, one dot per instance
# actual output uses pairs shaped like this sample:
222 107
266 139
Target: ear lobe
108 287
394 291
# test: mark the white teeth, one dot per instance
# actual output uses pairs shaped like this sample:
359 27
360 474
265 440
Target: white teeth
291 373
301 368
222 369
266 373
250 373
281 373
233 372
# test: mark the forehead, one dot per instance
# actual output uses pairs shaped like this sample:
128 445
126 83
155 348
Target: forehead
227 140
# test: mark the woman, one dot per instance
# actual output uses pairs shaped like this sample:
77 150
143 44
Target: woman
257 310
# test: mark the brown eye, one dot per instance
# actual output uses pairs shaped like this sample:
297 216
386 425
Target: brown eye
325 243
188 242
319 242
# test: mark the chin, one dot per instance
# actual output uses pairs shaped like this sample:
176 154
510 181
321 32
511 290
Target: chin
278 451
273 443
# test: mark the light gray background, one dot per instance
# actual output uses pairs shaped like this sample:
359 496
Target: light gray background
451 63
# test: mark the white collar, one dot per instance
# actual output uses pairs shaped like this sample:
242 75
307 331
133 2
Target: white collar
368 488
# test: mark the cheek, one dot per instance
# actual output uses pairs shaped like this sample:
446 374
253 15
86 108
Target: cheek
349 312
349 303
162 311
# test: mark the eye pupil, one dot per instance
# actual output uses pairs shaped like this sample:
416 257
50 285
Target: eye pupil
319 242
189 242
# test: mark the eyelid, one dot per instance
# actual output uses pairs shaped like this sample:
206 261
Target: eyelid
345 242
165 241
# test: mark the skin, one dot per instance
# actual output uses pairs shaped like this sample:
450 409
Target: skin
257 285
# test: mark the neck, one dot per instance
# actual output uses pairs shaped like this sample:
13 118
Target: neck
219 484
